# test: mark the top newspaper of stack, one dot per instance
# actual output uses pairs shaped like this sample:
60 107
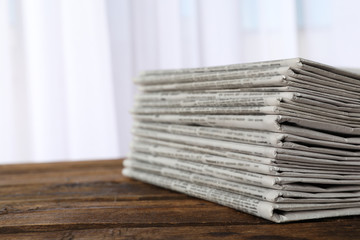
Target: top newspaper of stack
295 91
281 75
254 70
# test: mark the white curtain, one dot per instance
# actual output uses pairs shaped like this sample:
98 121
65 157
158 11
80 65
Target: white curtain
66 66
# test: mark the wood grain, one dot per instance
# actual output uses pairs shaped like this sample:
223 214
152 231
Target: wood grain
92 200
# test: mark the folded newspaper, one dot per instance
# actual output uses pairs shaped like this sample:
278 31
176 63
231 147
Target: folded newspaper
276 139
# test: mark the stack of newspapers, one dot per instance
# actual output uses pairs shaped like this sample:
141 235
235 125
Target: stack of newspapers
276 139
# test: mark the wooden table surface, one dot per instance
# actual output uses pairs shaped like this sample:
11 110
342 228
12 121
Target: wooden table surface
92 200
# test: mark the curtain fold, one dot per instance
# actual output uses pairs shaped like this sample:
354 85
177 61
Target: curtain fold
6 87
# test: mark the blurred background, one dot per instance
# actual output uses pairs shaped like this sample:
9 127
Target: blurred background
66 66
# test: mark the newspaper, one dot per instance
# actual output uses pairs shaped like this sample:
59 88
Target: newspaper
204 94
286 140
268 194
270 122
286 173
226 68
280 160
242 161
277 139
251 175
296 64
230 102
276 212
262 151
189 99
346 119
258 150
299 80
200 77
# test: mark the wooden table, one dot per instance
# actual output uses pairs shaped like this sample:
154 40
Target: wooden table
92 200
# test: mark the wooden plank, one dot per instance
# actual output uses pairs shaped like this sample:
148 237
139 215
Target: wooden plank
59 166
61 177
155 213
300 231
117 188
61 172
91 200
145 214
